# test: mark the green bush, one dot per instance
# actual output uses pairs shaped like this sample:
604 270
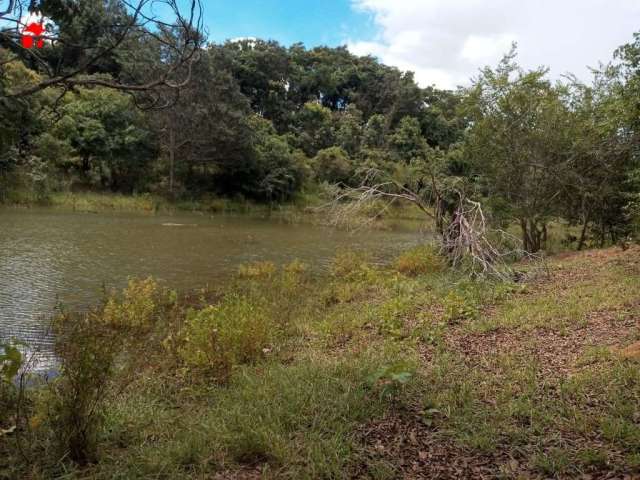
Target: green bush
390 315
421 260
136 308
333 165
219 337
87 349
10 363
389 380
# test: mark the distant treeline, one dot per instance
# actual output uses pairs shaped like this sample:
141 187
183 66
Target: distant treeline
262 121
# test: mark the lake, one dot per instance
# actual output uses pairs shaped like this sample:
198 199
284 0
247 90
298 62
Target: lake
49 256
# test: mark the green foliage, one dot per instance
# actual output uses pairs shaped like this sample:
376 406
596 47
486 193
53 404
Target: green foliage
374 134
136 309
220 337
349 130
407 141
87 350
106 139
389 380
10 361
457 307
333 165
517 145
314 128
279 170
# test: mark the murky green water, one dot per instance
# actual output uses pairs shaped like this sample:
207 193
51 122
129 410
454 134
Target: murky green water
49 256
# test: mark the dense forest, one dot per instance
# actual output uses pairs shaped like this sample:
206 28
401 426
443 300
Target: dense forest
258 120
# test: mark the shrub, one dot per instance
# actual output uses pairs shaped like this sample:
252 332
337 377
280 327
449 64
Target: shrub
296 267
220 337
87 349
10 363
137 307
294 277
333 165
420 260
96 355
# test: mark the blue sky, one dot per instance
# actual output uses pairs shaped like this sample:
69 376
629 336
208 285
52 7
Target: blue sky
444 42
313 22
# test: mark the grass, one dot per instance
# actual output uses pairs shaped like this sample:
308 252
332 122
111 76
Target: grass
304 208
368 372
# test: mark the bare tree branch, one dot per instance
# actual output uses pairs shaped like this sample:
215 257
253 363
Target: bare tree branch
171 72
465 238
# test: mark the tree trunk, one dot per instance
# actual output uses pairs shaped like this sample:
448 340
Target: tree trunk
583 234
172 156
525 234
531 235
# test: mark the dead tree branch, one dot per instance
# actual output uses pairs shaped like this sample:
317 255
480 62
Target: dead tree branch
464 236
140 26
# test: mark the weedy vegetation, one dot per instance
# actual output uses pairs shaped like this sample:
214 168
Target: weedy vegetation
363 371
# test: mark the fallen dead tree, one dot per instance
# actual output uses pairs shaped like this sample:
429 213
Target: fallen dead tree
463 234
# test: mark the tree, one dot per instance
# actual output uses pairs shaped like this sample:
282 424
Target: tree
109 144
374 134
349 130
440 122
278 171
20 123
314 128
407 142
600 184
263 70
519 144
205 133
333 165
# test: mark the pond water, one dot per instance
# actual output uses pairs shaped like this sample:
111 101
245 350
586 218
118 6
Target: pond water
50 256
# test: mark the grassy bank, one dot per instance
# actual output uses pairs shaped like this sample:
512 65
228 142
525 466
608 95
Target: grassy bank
305 208
147 203
409 371
95 202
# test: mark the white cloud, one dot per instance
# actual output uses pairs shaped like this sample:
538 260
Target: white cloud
445 42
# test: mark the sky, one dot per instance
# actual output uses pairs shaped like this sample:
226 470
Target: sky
445 42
